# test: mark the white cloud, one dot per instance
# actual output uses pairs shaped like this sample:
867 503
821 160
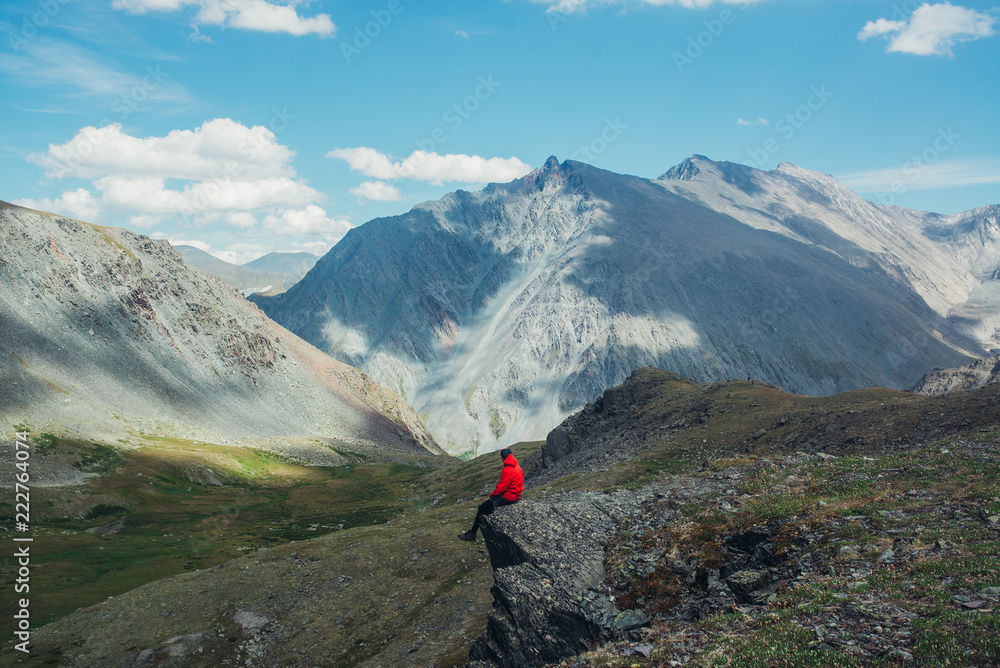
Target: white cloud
925 175
144 220
241 219
220 147
462 34
310 220
150 194
257 15
431 167
746 123
79 204
376 191
932 30
221 174
570 6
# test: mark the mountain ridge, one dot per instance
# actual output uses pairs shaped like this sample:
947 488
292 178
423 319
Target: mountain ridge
110 335
499 312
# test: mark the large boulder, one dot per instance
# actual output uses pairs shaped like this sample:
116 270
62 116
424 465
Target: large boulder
548 560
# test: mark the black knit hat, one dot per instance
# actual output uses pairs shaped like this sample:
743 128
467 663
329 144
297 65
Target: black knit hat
505 452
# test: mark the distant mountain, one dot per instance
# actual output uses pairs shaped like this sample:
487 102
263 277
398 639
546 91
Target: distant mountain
498 313
270 274
109 335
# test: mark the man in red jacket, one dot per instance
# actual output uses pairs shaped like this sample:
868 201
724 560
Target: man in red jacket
507 491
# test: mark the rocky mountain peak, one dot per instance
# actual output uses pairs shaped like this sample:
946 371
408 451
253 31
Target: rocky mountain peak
552 172
686 170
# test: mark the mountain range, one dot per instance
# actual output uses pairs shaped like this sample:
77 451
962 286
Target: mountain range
270 274
498 313
109 335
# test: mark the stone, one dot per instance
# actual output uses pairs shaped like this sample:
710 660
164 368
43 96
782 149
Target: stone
544 609
249 621
992 593
746 586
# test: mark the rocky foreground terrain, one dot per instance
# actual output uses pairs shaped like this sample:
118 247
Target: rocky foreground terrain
669 524
798 560
500 312
109 335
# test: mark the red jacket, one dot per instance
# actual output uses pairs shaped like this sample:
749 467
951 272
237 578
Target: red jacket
511 480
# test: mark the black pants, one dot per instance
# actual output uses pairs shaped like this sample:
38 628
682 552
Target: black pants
486 508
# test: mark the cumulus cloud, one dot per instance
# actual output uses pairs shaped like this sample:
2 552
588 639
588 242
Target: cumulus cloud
431 167
79 203
932 30
218 147
376 191
257 15
309 220
150 194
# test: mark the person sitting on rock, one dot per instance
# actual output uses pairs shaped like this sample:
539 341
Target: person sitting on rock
507 491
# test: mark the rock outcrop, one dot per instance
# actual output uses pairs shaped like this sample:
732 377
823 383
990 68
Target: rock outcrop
548 563
593 438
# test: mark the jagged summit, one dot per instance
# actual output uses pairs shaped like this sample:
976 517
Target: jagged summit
686 170
551 174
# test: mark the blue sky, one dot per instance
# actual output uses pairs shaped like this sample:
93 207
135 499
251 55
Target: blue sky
247 126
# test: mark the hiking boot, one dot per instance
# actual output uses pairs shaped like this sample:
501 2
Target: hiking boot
468 535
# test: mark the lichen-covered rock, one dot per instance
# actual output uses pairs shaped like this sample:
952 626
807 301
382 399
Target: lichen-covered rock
548 558
746 586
